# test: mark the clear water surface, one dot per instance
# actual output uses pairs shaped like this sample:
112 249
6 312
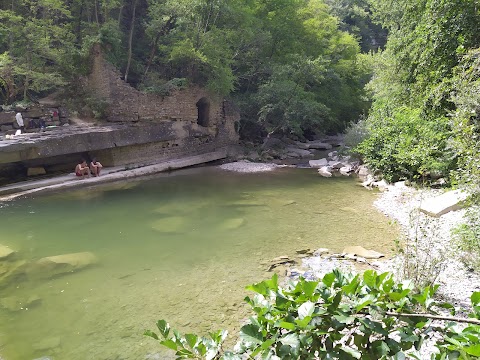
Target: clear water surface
178 246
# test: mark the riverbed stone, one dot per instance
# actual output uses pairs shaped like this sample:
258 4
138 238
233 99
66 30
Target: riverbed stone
362 252
442 204
11 271
246 202
232 224
318 163
296 152
170 225
60 264
5 252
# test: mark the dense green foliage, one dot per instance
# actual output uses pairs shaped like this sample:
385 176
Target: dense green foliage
288 63
341 316
417 85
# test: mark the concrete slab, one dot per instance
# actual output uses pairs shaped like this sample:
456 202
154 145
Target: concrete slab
13 191
442 204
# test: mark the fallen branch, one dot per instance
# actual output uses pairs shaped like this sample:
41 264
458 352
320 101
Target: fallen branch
435 317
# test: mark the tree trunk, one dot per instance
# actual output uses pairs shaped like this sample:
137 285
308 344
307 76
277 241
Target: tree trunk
96 11
120 14
130 40
165 30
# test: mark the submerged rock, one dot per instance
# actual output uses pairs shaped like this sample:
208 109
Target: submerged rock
14 303
60 264
47 344
5 252
232 224
170 225
11 270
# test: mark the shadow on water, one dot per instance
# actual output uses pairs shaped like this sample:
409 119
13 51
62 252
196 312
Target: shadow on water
178 246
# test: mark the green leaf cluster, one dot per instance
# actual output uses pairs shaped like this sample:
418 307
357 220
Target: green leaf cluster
342 316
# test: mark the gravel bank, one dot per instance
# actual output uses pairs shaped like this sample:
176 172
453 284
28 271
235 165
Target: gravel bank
433 239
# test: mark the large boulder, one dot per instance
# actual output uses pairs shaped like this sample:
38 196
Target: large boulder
318 163
61 264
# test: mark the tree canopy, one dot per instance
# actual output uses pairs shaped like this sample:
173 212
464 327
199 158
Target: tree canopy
291 65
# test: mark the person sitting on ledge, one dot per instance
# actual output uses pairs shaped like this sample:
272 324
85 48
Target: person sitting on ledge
82 169
95 167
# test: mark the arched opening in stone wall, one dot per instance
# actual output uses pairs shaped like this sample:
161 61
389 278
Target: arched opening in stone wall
203 106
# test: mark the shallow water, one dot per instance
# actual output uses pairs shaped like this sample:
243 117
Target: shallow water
178 246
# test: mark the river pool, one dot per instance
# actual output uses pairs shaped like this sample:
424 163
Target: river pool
179 246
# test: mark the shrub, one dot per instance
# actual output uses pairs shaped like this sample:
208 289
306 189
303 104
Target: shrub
342 316
405 146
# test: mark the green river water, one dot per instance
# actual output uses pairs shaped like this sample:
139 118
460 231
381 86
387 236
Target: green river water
178 246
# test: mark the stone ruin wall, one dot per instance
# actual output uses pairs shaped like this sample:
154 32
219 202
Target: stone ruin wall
177 111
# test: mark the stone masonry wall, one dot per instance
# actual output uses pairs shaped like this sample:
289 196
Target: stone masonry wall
128 105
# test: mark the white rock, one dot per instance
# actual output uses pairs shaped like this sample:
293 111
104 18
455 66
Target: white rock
362 252
449 201
363 171
346 170
331 154
318 163
335 164
320 251
325 171
382 185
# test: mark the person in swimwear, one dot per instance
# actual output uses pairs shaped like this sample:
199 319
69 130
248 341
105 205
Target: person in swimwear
82 169
95 167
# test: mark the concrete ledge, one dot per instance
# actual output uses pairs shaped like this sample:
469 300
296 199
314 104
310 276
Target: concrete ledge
439 205
13 191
